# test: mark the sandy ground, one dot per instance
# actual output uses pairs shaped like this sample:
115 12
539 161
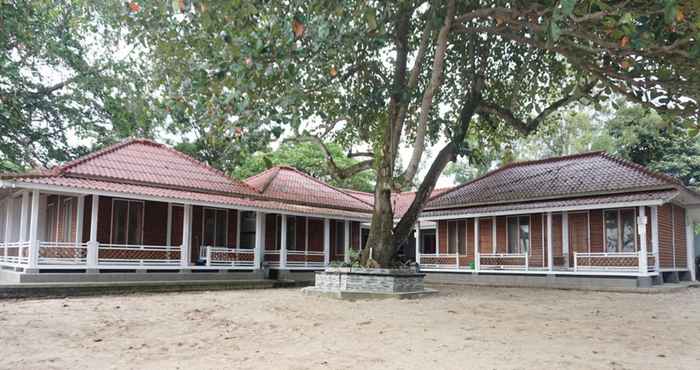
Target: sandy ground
462 328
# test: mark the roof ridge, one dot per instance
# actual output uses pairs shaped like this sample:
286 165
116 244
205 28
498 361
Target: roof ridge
200 164
275 171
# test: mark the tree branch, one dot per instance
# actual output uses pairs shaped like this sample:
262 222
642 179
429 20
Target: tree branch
526 127
337 172
412 82
430 91
449 153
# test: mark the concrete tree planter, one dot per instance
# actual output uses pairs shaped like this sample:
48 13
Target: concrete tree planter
361 283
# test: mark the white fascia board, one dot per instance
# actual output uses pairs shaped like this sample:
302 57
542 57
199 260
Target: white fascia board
657 202
82 191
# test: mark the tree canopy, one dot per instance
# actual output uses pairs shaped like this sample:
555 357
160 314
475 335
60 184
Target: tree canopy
61 83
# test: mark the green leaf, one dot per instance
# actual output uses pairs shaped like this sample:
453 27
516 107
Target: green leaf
371 17
567 7
670 8
554 31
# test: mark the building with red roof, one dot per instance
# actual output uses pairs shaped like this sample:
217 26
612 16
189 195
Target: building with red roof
141 206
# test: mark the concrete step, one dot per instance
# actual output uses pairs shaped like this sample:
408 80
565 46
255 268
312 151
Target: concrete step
72 289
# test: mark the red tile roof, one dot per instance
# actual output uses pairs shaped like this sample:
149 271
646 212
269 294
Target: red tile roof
145 162
588 202
289 184
570 176
146 168
401 201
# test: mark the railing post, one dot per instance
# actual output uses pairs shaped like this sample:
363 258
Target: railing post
34 231
576 261
208 255
92 255
527 261
642 231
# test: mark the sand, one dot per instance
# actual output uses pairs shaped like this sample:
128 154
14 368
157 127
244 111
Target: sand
462 328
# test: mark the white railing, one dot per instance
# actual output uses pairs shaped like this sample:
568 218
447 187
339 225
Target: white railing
612 261
217 256
305 262
62 253
503 261
442 261
138 255
16 253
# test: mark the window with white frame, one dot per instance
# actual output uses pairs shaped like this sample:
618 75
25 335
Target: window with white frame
127 222
518 229
620 231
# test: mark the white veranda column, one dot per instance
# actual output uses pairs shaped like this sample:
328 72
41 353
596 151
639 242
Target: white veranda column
34 231
24 217
493 234
476 244
169 226
346 252
642 231
93 245
655 236
186 236
259 239
326 241
283 242
565 234
418 242
690 243
79 217
550 249
9 220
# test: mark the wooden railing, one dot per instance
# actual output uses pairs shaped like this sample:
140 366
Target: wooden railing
614 261
230 257
138 255
503 261
441 261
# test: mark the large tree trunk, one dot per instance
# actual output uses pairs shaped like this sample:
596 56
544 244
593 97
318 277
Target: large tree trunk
385 239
